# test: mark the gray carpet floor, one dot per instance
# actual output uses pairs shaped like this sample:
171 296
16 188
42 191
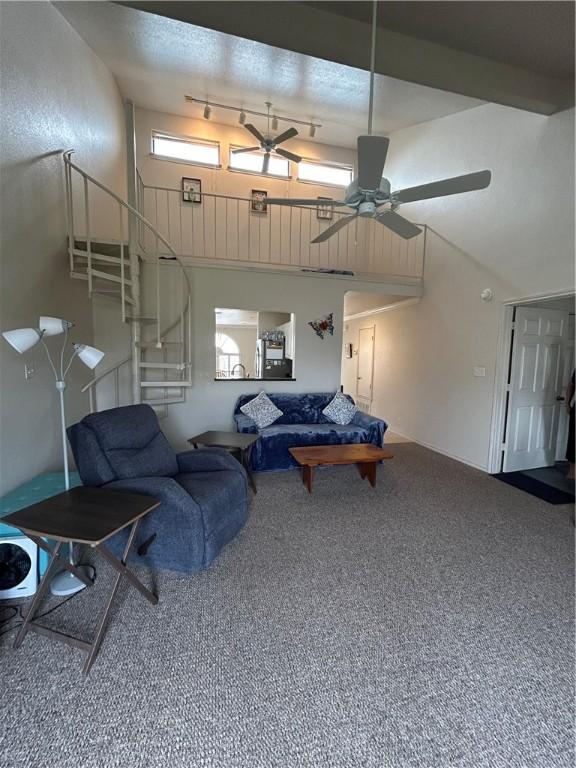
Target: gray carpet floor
425 623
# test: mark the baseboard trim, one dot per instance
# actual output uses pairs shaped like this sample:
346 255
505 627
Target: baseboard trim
438 450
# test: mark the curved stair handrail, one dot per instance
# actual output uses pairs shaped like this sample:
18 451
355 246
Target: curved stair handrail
127 214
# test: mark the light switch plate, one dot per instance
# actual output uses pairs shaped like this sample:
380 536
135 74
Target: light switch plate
479 370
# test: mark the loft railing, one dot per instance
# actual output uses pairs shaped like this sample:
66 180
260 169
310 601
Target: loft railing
226 229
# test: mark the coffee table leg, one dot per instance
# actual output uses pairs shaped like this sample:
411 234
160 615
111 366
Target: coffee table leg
362 470
245 456
371 473
307 476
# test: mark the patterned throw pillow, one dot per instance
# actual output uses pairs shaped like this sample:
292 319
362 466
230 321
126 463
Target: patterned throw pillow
340 410
262 410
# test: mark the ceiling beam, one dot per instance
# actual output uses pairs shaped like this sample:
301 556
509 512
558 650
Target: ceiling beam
297 27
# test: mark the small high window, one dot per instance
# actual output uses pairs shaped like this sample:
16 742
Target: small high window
325 173
186 149
251 162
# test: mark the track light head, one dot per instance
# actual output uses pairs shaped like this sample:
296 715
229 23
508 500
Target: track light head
207 112
312 131
242 117
274 123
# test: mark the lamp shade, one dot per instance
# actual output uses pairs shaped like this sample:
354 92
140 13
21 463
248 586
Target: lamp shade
22 339
52 326
90 356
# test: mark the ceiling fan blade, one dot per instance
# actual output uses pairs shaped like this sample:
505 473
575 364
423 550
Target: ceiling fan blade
288 134
255 132
333 228
398 224
372 151
266 162
245 149
454 186
288 155
302 201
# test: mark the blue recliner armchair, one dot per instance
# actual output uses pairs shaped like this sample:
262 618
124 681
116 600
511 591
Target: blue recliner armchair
203 493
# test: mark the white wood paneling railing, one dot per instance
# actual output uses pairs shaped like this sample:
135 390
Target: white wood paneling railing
225 229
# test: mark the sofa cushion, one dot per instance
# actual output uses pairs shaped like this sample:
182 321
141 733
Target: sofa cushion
340 409
262 410
133 443
216 493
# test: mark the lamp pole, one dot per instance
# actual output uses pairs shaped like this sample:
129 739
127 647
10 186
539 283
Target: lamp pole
23 339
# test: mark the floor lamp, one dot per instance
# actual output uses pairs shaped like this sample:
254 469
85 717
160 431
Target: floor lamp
23 339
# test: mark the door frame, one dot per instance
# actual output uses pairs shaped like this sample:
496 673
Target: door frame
503 353
373 329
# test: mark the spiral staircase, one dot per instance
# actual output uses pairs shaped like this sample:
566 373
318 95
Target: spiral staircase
106 251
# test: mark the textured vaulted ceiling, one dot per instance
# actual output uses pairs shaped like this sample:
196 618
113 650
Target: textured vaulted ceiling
157 60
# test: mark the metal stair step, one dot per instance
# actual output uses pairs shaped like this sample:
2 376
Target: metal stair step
162 401
154 344
95 256
166 384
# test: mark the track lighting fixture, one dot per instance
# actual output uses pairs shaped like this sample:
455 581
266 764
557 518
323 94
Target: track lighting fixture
243 114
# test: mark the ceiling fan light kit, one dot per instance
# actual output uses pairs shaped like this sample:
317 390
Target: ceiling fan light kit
370 193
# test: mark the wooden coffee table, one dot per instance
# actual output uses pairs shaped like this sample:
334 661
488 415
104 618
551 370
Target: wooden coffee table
364 455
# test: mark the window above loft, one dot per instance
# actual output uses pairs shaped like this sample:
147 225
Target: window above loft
328 174
251 162
185 149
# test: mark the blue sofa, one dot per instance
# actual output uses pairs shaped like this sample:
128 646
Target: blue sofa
303 423
203 493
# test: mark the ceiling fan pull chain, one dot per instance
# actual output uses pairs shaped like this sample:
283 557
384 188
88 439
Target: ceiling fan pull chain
372 65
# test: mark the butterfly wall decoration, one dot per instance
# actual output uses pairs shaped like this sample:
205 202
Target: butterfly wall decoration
323 325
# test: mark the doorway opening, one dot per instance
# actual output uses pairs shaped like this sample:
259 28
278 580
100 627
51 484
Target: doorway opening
530 425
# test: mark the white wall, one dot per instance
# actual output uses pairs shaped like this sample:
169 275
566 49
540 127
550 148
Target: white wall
516 237
56 94
210 403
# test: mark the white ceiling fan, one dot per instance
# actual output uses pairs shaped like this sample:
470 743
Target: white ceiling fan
370 194
268 144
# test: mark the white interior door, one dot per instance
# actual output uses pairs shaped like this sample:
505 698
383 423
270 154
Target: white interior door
568 367
365 363
535 386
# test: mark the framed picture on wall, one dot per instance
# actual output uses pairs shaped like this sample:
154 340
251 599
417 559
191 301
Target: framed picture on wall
324 211
191 190
259 199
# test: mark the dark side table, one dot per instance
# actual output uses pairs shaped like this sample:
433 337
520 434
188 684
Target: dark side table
236 442
84 516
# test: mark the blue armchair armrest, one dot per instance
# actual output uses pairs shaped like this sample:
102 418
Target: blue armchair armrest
376 427
245 424
208 460
177 512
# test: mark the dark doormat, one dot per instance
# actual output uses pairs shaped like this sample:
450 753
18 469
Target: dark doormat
536 487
